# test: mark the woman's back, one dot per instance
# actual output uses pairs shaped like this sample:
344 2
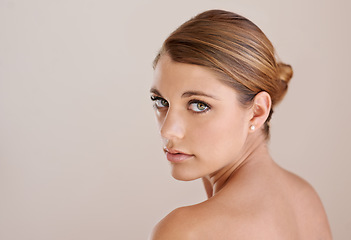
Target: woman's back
262 201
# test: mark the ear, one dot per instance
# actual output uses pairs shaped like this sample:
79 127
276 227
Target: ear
260 109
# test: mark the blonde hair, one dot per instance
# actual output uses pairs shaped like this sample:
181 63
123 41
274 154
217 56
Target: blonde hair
236 49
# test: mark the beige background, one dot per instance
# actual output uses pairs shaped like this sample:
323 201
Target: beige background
80 156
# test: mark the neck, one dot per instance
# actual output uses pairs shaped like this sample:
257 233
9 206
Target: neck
255 150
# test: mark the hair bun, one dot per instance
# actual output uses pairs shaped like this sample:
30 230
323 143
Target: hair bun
285 73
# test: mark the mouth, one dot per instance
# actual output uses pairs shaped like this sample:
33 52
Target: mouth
176 156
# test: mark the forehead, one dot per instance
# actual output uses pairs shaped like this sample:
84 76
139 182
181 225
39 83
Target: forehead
170 76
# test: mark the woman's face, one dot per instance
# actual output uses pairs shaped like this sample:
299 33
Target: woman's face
202 124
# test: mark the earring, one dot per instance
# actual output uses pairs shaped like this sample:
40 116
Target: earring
252 127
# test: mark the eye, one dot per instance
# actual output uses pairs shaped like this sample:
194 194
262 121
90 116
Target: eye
198 106
159 102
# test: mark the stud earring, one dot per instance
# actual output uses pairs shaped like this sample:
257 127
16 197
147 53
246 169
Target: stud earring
252 127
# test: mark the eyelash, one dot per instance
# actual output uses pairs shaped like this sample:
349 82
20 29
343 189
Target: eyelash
157 98
208 106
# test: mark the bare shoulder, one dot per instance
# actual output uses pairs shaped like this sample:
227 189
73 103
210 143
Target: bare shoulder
304 194
176 225
309 210
212 220
288 209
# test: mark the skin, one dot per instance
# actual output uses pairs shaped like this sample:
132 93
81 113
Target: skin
249 195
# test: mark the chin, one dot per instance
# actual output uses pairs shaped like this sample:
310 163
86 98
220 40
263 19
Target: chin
184 175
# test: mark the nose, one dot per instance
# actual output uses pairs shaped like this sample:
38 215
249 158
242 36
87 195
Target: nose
172 126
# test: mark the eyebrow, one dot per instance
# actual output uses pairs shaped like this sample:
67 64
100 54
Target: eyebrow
198 93
186 94
155 91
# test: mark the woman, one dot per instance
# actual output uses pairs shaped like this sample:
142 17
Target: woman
216 83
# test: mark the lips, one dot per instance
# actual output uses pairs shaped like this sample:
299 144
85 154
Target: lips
176 156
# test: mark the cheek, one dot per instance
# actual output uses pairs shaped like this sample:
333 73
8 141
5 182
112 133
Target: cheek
220 137
160 115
